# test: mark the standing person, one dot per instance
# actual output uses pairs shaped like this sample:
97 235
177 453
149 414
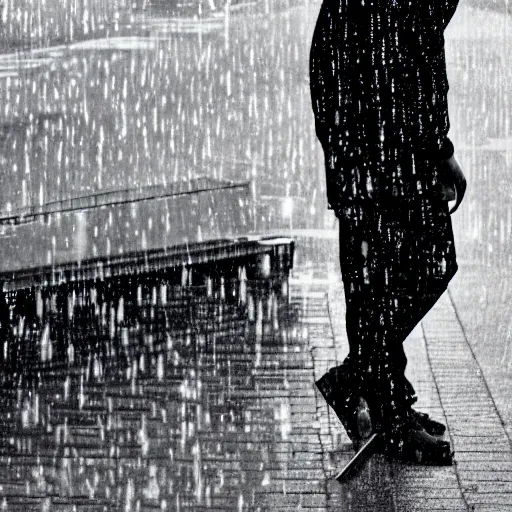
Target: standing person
379 95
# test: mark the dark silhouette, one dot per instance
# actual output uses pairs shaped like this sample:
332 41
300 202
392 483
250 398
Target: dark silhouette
379 95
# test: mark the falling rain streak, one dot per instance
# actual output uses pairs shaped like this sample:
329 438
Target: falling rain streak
152 104
142 389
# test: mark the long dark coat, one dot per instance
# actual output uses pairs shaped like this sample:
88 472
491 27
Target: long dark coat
379 95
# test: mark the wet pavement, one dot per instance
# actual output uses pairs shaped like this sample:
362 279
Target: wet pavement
197 393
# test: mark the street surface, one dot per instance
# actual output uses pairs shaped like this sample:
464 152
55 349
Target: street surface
208 403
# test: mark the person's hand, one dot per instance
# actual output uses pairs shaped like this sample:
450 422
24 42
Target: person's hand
453 183
448 191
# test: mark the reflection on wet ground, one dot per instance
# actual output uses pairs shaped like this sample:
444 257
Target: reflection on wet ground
166 391
191 388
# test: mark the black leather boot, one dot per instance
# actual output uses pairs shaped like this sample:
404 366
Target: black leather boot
352 410
432 427
416 446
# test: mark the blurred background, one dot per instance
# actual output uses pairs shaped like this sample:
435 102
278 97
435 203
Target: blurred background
108 96
104 96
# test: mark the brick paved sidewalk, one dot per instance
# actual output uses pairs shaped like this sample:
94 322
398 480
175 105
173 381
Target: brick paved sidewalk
450 387
240 426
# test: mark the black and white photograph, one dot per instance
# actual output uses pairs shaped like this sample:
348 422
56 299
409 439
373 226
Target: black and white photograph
255 255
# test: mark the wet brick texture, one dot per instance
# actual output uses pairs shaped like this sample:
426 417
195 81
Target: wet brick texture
200 395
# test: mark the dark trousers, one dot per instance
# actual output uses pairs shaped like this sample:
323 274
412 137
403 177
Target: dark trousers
396 261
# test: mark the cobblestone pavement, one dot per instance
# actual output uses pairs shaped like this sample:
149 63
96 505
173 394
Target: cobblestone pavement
222 414
450 385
